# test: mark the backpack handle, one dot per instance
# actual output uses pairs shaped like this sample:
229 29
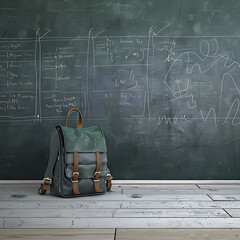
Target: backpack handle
79 124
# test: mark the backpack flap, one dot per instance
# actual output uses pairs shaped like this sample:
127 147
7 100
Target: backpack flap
88 139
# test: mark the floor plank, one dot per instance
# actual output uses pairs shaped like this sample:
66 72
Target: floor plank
234 212
30 193
158 187
106 204
219 186
61 203
174 213
108 196
57 213
57 234
108 213
121 222
1 223
154 191
226 197
180 204
177 234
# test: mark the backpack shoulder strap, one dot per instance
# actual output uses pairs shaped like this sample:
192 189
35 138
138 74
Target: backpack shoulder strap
53 156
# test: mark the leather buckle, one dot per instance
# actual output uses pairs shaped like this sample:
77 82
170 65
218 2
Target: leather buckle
97 173
47 181
75 173
109 177
74 181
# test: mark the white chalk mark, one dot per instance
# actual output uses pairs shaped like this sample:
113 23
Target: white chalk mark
232 140
36 78
171 120
144 107
220 98
150 33
193 102
124 65
124 90
130 9
87 62
236 112
94 61
208 114
136 85
98 33
155 34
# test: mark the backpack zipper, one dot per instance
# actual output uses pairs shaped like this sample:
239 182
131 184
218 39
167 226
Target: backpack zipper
58 158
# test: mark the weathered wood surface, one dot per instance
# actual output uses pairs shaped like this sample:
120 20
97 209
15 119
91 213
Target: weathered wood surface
112 213
121 222
233 212
183 234
219 186
225 197
57 234
62 204
126 206
121 234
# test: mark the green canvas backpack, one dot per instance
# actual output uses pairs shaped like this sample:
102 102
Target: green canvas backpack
77 164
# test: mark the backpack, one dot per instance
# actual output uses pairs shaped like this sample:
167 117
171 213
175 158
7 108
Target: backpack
77 164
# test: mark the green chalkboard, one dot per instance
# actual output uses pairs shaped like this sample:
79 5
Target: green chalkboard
161 77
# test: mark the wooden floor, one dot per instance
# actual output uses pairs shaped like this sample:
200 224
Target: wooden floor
144 211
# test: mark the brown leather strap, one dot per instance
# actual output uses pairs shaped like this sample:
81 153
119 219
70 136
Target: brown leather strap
75 174
97 173
109 185
108 181
44 186
79 124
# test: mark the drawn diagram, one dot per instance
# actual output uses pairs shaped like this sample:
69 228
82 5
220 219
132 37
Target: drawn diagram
202 80
120 75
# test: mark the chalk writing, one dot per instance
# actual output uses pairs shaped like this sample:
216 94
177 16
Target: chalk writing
13 104
58 103
62 65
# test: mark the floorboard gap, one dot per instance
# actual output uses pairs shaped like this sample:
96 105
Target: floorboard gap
210 197
227 212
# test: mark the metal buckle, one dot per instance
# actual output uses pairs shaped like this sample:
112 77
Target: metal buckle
96 173
96 180
109 177
74 181
75 173
48 179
